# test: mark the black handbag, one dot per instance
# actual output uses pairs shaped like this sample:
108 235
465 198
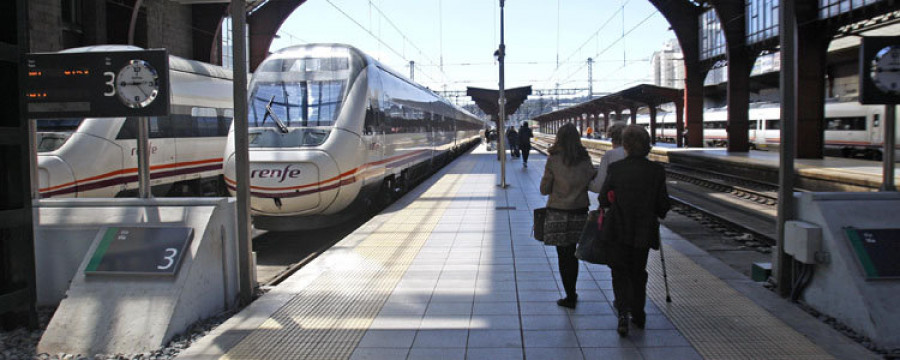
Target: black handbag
591 246
540 217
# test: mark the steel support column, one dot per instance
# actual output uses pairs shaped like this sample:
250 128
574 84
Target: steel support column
812 51
652 123
738 126
679 124
693 103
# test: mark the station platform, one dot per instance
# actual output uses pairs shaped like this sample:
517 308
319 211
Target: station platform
451 271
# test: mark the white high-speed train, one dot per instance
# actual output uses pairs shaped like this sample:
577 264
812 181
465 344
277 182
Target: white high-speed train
851 129
97 157
330 128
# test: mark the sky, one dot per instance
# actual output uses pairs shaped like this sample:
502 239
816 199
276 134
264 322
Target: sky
547 42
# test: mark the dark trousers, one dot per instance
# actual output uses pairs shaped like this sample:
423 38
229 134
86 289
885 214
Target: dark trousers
568 268
525 151
629 277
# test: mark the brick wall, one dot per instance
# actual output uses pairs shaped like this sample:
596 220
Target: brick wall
169 26
44 25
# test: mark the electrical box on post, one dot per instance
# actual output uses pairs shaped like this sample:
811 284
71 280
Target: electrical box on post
802 240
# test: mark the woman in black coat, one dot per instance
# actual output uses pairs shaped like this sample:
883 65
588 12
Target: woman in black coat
635 193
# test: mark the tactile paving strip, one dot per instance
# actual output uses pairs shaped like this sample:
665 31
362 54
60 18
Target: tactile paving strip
330 316
717 320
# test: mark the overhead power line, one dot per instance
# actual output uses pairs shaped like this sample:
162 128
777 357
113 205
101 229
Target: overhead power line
374 36
625 34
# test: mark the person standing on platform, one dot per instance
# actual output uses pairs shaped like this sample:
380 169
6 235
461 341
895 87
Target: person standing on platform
589 132
635 189
524 142
565 180
610 156
513 138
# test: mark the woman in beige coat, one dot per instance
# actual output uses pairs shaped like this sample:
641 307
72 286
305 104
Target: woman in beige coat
565 180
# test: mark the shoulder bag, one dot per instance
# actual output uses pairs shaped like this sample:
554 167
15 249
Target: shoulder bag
540 217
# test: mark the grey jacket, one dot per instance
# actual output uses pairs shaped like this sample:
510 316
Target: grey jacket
567 185
611 156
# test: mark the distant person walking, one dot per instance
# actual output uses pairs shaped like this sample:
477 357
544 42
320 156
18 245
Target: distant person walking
524 142
565 180
639 199
513 138
589 132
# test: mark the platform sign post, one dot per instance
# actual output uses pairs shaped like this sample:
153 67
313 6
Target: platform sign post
132 83
879 83
787 35
241 148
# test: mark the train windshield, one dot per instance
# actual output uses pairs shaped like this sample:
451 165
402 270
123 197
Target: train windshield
53 133
293 114
296 101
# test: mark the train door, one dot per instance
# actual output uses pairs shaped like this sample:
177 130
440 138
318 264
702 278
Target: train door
162 151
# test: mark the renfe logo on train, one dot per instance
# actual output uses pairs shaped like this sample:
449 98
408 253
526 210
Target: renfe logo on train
279 174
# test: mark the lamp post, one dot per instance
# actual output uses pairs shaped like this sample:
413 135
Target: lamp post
501 128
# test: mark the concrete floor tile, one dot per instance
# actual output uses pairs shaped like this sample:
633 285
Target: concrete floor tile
441 338
495 322
550 339
388 338
495 339
546 322
494 354
614 353
437 354
379 354
554 354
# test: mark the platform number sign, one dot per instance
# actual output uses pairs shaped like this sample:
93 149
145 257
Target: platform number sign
879 70
877 251
97 84
140 251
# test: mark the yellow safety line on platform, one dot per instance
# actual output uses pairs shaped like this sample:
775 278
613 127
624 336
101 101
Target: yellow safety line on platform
327 319
717 320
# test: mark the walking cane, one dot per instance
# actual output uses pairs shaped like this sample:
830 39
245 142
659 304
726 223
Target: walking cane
665 278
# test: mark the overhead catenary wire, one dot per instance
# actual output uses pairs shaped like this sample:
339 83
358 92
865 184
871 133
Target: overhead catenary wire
625 34
594 35
374 36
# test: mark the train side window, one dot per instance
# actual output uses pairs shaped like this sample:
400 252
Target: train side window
773 124
754 124
876 120
161 127
206 122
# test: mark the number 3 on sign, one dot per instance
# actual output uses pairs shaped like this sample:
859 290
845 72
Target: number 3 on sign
111 83
170 259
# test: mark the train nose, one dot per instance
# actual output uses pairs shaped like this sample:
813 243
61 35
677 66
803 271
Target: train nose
283 184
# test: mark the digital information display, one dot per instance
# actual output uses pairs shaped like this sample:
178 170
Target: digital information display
877 251
140 251
97 84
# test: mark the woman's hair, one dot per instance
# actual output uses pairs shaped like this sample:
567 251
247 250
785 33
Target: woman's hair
568 145
615 132
636 141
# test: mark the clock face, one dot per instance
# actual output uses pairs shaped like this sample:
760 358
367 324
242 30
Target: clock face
886 70
137 84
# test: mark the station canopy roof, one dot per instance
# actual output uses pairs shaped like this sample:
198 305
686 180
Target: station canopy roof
488 100
631 98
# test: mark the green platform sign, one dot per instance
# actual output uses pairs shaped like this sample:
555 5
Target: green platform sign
140 251
877 251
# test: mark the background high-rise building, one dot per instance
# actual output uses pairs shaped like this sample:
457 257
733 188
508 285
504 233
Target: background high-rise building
667 66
